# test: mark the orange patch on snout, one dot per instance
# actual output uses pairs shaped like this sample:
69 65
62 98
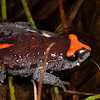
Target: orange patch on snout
75 45
2 46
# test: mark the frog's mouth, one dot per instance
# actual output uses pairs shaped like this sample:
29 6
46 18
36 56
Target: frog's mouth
83 54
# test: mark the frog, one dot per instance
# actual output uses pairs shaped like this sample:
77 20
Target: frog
23 48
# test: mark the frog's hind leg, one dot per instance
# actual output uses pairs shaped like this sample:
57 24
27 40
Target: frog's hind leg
49 79
2 73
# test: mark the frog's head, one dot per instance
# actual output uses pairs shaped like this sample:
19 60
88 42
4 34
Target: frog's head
77 53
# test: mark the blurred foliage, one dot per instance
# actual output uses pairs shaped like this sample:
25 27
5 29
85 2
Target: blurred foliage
93 97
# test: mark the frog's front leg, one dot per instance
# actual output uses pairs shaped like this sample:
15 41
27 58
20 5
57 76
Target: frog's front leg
49 79
2 73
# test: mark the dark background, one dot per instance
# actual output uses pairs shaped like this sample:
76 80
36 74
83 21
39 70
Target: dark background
85 23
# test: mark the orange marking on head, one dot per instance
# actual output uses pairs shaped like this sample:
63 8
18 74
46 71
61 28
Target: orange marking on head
33 38
3 66
32 46
75 45
5 45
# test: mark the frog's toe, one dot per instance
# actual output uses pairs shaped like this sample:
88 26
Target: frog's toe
61 84
65 83
1 81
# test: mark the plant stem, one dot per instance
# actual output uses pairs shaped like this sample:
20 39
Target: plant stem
62 15
3 10
11 88
28 14
93 97
10 79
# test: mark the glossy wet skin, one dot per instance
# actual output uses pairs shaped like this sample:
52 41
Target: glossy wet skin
28 50
22 50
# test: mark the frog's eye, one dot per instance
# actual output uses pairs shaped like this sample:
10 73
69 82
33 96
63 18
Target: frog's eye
73 57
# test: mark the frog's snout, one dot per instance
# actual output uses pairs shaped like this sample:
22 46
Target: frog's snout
84 53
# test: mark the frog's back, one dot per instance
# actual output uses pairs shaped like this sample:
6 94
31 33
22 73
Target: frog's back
27 49
22 50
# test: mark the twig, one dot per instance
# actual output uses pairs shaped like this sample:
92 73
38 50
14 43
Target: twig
73 85
3 10
43 70
77 93
35 89
62 14
71 15
95 64
11 88
53 96
28 14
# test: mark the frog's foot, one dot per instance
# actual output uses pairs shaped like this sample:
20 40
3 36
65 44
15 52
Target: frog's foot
2 75
49 79
1 82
